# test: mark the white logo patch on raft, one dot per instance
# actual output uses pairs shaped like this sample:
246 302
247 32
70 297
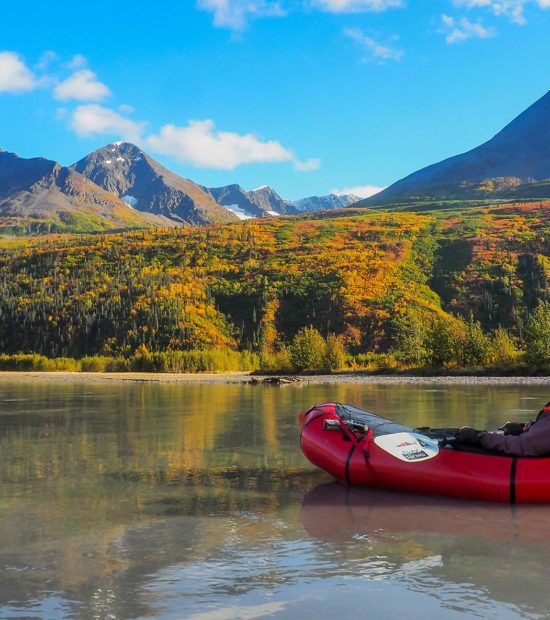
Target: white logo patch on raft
408 447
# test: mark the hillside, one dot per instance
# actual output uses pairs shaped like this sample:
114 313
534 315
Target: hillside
513 165
254 285
249 285
494 262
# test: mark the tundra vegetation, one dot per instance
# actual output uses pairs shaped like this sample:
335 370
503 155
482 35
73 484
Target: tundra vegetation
350 289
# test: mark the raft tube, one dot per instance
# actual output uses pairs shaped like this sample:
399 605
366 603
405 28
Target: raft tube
362 448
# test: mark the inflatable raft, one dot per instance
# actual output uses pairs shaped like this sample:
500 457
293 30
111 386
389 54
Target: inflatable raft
361 448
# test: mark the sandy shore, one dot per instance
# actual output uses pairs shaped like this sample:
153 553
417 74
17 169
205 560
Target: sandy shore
245 377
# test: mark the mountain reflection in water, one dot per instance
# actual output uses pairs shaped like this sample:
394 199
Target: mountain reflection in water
194 501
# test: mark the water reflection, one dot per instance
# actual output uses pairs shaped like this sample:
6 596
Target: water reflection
173 501
467 554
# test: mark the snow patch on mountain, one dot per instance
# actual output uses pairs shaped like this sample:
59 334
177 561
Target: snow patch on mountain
240 213
131 201
359 191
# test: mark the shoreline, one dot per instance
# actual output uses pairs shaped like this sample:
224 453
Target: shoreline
247 378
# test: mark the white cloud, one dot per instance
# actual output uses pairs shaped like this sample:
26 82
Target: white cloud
15 76
83 86
77 62
513 9
201 145
374 49
244 612
356 6
93 119
47 58
363 191
457 30
307 166
234 14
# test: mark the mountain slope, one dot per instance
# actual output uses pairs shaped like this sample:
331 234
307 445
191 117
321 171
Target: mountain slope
269 201
134 176
40 195
515 158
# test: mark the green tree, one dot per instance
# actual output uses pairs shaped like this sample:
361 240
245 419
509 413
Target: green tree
473 347
411 339
335 353
537 336
442 342
503 351
307 350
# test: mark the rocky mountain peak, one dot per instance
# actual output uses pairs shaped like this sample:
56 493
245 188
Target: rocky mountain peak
146 185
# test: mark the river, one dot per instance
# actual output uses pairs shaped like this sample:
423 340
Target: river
194 501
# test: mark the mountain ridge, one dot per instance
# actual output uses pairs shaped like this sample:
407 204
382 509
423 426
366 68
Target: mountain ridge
325 203
121 186
41 195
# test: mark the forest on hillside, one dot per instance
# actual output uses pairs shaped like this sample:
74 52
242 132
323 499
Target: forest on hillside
398 284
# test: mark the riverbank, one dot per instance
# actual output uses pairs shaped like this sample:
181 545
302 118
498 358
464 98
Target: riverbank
255 379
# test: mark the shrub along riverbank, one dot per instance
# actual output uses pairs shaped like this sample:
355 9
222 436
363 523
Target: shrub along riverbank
198 363
215 360
439 346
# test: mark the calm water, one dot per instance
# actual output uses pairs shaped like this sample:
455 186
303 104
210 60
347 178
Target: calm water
194 501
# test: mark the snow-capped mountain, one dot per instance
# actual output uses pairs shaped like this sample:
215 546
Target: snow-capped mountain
147 186
260 202
264 201
324 203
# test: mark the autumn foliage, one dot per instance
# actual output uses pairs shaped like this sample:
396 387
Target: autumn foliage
406 283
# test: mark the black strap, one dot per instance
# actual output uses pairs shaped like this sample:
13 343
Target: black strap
513 469
348 463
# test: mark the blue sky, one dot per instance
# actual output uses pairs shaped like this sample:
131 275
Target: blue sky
307 96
